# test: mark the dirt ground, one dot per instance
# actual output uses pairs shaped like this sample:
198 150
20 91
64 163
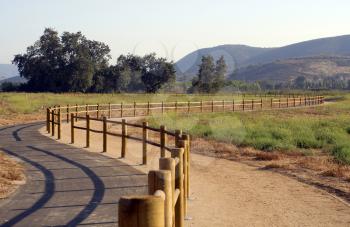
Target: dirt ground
230 193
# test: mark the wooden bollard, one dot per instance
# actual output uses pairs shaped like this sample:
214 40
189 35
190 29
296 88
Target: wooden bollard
252 104
188 106
186 139
88 130
72 128
287 102
162 141
162 107
141 211
223 105
178 136
59 123
233 105
261 103
104 122
86 109
279 103
144 142
161 180
212 106
179 183
201 106
169 164
121 109
48 120
243 105
124 137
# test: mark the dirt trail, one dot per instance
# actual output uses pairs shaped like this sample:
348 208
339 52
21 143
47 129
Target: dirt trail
227 193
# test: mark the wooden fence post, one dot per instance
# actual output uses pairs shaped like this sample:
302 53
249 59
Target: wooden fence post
124 137
175 106
161 180
279 103
252 104
148 108
188 106
48 120
144 142
261 103
88 130
179 183
141 211
53 121
109 110
98 111
223 105
287 102
67 113
134 109
233 105
186 138
121 109
243 105
104 134
162 141
201 106
169 165
76 112
72 128
162 107
86 110
59 123
212 105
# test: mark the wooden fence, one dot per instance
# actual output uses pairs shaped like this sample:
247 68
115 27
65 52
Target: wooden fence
166 204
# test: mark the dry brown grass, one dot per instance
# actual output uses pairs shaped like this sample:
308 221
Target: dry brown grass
11 175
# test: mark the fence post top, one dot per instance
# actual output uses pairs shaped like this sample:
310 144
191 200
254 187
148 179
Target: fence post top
178 151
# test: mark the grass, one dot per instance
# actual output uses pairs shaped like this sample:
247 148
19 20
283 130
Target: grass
324 128
28 103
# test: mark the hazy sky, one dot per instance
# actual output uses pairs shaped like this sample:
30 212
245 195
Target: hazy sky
172 28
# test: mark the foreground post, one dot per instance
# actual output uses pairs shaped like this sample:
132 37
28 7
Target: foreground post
141 211
48 120
124 135
144 142
59 123
104 134
179 183
161 180
67 113
162 141
53 121
87 130
72 128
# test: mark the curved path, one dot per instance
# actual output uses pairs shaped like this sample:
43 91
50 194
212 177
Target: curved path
66 186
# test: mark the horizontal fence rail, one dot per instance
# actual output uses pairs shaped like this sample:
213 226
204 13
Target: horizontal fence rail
169 186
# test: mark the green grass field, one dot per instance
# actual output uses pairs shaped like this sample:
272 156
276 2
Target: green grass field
325 128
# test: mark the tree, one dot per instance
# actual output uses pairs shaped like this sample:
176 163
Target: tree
59 64
156 72
211 77
220 73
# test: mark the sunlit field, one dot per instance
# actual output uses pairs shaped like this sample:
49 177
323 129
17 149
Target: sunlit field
325 128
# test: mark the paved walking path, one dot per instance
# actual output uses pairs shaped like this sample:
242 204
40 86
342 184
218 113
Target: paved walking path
66 186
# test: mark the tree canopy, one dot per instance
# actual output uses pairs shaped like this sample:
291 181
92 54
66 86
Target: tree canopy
73 63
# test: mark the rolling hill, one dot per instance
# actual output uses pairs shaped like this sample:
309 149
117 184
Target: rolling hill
290 69
8 71
235 56
240 56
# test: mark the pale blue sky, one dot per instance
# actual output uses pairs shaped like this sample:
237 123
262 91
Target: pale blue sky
172 28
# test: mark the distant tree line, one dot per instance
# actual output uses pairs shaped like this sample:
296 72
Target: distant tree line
72 63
